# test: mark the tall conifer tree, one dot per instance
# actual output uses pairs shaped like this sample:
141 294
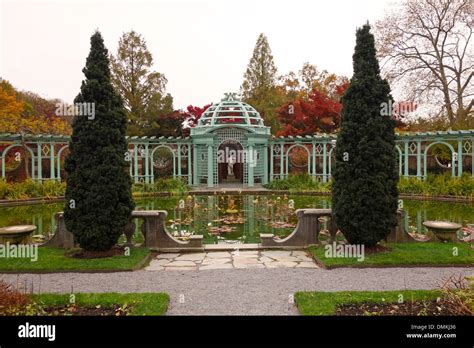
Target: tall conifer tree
261 73
259 87
98 194
365 191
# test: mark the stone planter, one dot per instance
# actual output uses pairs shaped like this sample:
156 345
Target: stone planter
444 231
19 234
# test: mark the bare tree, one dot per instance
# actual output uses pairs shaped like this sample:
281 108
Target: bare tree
426 49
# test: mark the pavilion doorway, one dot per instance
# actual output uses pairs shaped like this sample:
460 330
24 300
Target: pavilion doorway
230 162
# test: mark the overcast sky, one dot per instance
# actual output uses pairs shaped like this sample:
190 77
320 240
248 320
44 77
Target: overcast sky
203 46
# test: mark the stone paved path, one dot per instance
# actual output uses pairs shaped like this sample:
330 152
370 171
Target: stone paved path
239 291
228 260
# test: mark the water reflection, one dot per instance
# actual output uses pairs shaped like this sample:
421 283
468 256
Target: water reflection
233 219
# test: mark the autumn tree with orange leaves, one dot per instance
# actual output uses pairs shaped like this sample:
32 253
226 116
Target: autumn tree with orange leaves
28 113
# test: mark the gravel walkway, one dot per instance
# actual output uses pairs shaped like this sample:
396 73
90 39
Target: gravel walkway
239 291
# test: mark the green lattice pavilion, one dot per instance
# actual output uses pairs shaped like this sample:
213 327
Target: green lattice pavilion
231 144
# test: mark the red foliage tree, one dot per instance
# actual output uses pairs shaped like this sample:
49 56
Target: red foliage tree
178 122
315 113
194 113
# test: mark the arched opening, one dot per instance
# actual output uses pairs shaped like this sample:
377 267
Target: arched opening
230 162
399 160
298 159
163 162
61 156
439 159
17 165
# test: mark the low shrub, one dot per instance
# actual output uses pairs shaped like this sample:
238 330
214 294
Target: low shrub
175 186
458 293
439 185
279 184
410 185
169 185
12 301
299 183
433 185
31 189
52 188
4 189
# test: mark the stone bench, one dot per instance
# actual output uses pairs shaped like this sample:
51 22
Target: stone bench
18 234
153 229
306 232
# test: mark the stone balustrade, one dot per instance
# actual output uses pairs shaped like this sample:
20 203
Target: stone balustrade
306 232
153 229
158 238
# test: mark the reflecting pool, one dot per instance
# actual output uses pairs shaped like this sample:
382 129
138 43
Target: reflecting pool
233 219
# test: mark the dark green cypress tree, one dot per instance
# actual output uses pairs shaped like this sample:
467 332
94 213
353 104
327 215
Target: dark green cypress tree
365 191
98 194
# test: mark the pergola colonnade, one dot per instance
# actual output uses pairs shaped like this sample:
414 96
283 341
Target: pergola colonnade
195 158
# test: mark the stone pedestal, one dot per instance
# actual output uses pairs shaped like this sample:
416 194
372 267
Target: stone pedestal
62 237
398 233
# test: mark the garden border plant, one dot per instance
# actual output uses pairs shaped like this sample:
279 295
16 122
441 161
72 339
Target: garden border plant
51 190
454 294
325 303
15 302
433 187
150 304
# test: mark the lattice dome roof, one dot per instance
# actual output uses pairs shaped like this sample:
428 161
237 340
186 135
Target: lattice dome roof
231 111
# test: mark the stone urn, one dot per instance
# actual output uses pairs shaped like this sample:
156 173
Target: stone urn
445 231
19 234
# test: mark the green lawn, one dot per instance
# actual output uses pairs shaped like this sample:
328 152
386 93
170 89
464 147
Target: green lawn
139 303
405 254
325 303
53 260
